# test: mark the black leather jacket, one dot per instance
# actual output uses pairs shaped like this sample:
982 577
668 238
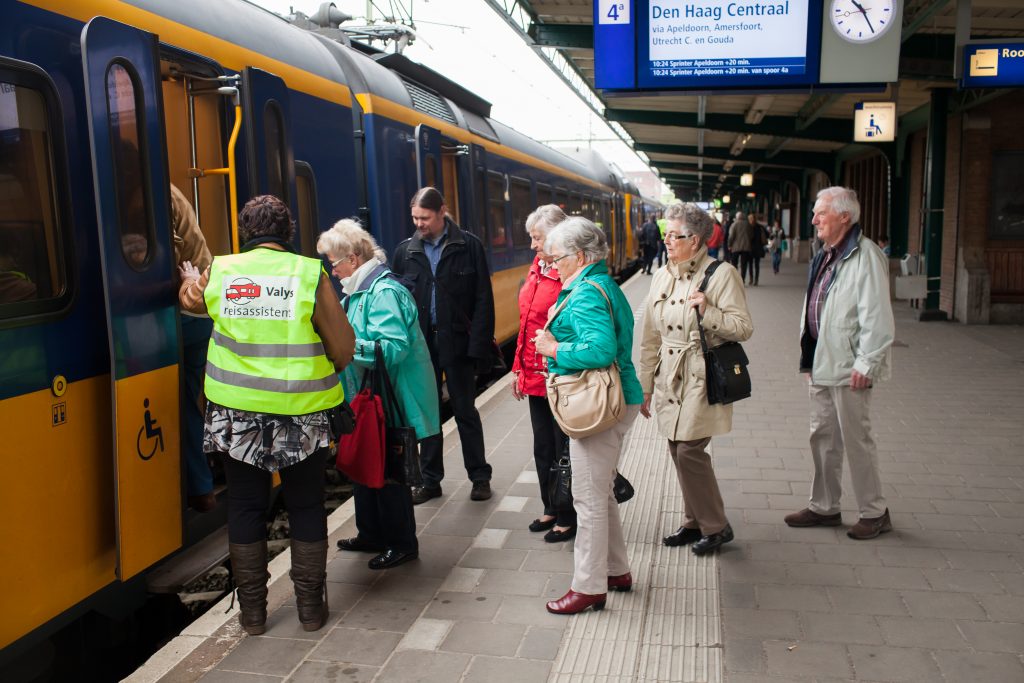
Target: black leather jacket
464 301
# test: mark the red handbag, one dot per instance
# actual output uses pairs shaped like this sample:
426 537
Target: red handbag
361 453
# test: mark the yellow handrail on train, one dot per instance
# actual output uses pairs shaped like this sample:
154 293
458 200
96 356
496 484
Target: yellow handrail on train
231 173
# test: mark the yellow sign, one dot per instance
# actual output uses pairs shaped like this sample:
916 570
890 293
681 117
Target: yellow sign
985 63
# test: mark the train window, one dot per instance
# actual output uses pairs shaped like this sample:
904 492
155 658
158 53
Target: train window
32 268
544 195
430 171
561 196
575 205
273 136
481 203
133 200
496 209
305 188
522 205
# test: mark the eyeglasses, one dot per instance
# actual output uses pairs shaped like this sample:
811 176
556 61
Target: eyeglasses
334 264
670 236
556 260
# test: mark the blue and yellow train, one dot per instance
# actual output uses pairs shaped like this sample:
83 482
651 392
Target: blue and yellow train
103 105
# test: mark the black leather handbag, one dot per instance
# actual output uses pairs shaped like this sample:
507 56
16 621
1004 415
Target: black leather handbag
622 489
560 484
725 366
401 447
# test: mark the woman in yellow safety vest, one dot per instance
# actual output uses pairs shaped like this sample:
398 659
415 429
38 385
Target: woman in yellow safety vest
279 339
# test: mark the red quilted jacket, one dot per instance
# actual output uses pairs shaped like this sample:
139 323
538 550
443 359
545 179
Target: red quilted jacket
536 298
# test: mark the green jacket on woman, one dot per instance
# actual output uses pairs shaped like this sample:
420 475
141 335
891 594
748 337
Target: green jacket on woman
586 340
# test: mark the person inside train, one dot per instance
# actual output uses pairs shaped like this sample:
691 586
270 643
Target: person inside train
672 368
536 298
279 339
382 311
592 327
452 287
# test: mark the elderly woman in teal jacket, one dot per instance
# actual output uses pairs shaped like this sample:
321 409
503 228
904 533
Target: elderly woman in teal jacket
593 330
381 310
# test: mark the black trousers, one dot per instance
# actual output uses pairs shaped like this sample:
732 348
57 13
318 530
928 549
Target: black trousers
662 252
385 516
249 496
755 268
460 377
549 442
648 253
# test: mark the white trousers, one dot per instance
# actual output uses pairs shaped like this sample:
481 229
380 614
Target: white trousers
600 548
840 422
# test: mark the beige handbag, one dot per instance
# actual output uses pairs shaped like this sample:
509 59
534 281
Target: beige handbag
587 402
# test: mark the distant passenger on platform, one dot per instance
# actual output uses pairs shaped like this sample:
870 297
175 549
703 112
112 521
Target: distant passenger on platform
661 241
846 335
190 245
593 330
883 244
716 240
382 311
263 415
529 371
775 237
452 286
672 368
741 235
650 237
758 244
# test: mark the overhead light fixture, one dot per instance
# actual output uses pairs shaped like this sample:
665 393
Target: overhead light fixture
747 179
751 195
737 146
727 166
726 199
758 108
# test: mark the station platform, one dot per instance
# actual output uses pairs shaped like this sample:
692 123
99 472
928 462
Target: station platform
941 598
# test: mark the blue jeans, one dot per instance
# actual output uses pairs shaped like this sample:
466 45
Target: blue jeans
195 340
776 259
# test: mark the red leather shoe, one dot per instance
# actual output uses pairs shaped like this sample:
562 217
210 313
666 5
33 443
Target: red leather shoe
622 582
574 603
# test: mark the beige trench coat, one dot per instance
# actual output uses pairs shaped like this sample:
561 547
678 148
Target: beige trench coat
671 361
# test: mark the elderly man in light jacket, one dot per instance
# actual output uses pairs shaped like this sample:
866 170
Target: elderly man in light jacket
846 336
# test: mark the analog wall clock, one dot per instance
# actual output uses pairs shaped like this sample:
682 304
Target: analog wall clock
862 21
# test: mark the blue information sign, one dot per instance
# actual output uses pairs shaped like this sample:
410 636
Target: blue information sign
993 65
698 44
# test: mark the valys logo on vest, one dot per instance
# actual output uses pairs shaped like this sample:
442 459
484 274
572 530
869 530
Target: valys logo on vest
260 298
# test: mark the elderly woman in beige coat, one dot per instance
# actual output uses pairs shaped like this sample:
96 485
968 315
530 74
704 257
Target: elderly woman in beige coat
672 367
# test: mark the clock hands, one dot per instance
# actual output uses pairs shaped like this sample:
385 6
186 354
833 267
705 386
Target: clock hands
864 12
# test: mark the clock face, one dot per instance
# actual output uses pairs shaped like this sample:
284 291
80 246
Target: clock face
862 21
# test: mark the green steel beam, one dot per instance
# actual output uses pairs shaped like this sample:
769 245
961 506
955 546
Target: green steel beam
832 130
821 161
575 36
921 18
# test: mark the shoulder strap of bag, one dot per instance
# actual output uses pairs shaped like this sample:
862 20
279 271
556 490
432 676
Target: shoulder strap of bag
558 310
703 286
392 407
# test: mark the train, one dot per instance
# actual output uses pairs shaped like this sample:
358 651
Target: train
106 103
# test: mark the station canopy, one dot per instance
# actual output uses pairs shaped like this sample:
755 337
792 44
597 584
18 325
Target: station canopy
700 144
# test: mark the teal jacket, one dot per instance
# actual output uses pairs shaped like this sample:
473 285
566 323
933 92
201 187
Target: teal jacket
586 340
383 310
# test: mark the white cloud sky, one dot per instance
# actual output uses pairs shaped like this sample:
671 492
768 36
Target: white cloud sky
469 43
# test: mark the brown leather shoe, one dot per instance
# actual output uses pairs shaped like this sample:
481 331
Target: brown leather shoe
865 529
808 517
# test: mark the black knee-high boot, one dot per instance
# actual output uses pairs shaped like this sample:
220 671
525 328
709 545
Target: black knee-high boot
309 577
249 568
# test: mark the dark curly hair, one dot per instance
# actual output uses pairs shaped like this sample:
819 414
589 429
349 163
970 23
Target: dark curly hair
265 215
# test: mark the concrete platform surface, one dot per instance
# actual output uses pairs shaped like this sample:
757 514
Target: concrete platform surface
941 598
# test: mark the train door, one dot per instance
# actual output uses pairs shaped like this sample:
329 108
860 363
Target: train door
428 157
271 160
125 124
454 172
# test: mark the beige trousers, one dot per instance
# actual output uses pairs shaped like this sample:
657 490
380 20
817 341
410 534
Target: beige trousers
840 422
702 501
600 548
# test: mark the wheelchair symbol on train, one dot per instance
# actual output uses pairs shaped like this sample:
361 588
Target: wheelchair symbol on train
154 435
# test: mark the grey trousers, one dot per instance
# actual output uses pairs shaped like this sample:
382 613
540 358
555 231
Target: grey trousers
840 423
702 501
600 548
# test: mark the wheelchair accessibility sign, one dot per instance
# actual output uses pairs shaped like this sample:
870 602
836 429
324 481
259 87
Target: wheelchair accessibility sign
151 435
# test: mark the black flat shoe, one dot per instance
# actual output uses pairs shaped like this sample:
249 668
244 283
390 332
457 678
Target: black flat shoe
537 525
421 494
712 542
359 545
682 536
556 536
391 558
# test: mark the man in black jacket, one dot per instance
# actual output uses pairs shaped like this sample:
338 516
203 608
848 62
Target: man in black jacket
452 287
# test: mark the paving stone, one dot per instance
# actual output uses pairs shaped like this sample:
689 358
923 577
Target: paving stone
803 598
806 658
991 562
1008 608
438 555
340 672
879 663
840 628
497 670
357 646
866 601
892 577
530 611
933 634
982 666
737 594
455 525
491 558
764 623
463 606
540 643
270 656
425 634
779 552
528 540
744 654
741 570
342 569
994 636
402 588
218 676
962 581
818 575
846 554
484 638
382 615
542 561
417 666
942 605
510 520
1013 582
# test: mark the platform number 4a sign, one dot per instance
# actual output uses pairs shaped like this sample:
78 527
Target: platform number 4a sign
613 11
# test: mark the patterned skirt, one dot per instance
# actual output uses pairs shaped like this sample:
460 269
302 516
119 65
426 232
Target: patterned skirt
270 442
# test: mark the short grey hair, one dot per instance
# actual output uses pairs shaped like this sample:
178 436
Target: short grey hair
842 200
695 219
346 237
576 233
544 218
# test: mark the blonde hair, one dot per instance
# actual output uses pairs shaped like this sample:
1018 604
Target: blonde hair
346 237
545 218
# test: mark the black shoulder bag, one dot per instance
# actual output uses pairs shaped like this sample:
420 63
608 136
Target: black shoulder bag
402 455
725 366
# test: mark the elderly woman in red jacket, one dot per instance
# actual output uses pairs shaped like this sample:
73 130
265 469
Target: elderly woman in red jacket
528 371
